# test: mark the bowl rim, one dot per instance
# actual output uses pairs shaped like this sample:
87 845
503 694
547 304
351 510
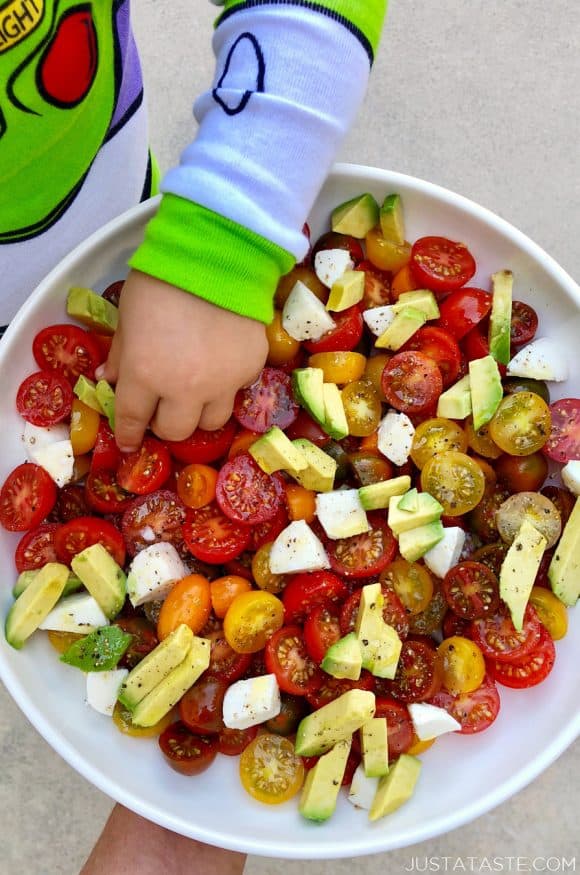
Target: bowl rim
562 738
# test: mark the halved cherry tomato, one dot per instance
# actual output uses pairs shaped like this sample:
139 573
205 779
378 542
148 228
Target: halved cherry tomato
145 470
344 337
321 631
292 710
334 240
251 620
44 398
185 752
106 454
428 621
144 639
524 323
362 408
460 665
522 424
455 480
399 725
522 384
224 590
386 254
36 548
394 613
454 625
403 281
463 310
84 427
471 590
440 346
267 402
265 533
483 518
436 436
411 582
535 508
498 639
412 382
104 494
307 591
264 577
377 291
305 427
196 485
74 537
204 446
233 742
61 641
213 537
480 441
225 664
475 711
304 274
488 472
418 747
331 688
270 771
188 602
242 442
522 473
282 348
246 494
153 518
416 678
441 265
551 612
339 367
301 502
491 555
563 444
287 658
67 349
529 671
363 555
370 467
70 504
26 498
201 708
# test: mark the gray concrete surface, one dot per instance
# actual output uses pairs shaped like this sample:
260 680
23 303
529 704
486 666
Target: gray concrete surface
477 95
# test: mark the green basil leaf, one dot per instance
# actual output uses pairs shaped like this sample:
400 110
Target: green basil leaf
99 651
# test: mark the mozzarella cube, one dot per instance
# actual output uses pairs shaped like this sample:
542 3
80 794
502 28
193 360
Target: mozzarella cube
431 722
103 688
304 316
362 789
341 513
297 549
78 613
153 572
57 459
395 437
571 476
378 319
543 359
35 437
443 556
250 702
331 264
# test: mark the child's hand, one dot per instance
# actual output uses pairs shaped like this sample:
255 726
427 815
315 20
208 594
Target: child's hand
178 361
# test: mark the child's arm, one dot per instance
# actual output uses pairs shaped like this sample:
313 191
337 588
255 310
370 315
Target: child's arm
290 79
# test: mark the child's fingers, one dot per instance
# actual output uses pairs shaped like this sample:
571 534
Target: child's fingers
134 408
109 370
216 414
174 420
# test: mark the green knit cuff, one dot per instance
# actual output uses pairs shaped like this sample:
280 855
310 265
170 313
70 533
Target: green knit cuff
212 257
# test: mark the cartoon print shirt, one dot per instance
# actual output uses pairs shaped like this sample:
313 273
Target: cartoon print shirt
290 76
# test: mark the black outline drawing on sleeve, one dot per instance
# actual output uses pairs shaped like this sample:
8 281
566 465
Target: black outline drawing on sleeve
260 78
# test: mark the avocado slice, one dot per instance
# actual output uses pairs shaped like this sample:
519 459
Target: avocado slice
428 510
344 658
455 403
519 569
92 310
155 667
564 570
307 387
320 468
275 452
35 603
415 543
323 783
104 579
501 317
376 496
86 391
421 299
346 291
106 398
410 501
356 217
335 722
486 390
397 787
335 423
392 219
169 691
405 324
380 644
375 747
25 578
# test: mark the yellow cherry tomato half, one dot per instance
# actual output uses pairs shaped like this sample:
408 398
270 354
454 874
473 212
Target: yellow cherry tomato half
412 583
196 485
362 407
418 747
551 611
270 771
84 425
252 618
122 719
385 254
261 573
281 347
436 436
488 471
339 367
61 641
189 602
480 441
460 665
455 480
522 424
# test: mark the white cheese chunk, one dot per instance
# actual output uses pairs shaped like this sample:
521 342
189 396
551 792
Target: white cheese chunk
443 556
341 513
304 316
542 359
35 437
57 459
297 549
430 721
571 476
103 688
78 613
250 702
362 790
331 264
395 437
153 572
378 319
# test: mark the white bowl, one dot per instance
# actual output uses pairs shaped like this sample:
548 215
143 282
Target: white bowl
463 777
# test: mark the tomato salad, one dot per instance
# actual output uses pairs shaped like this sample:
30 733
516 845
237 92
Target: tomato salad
267 537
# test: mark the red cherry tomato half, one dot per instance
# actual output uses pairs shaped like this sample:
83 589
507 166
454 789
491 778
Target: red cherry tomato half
475 711
287 658
399 725
246 494
106 454
68 350
307 591
201 708
344 337
463 310
267 402
471 590
377 285
524 323
44 398
563 445
394 612
321 631
233 742
416 679
412 382
498 639
71 503
74 537
26 498
331 688
440 346
441 265
36 548
153 518
334 240
531 670
145 470
212 537
225 664
363 555
103 493
454 625
204 446
185 752
305 427
264 533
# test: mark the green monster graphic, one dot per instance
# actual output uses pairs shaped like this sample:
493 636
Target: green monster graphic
59 73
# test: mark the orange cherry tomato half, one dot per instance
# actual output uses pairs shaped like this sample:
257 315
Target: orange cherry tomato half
188 602
196 485
224 590
243 441
84 425
301 502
